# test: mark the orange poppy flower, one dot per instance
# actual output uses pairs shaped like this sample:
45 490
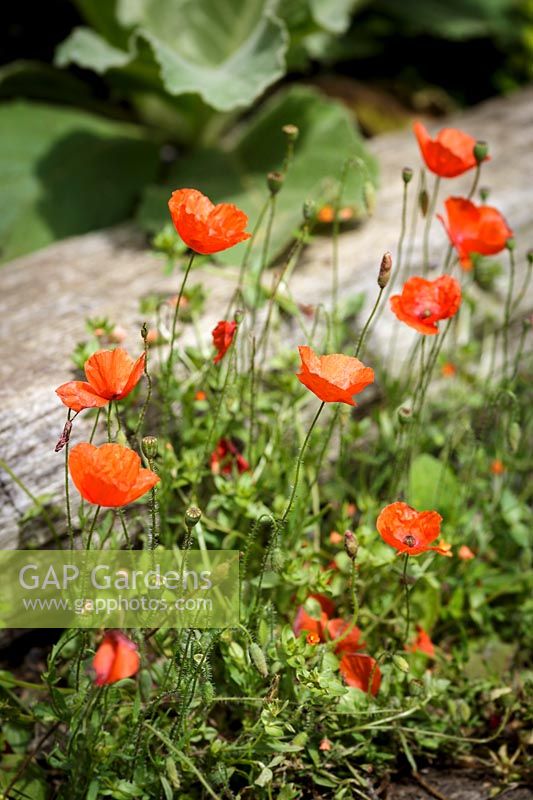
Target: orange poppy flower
225 456
465 553
448 370
328 629
336 538
333 378
410 531
116 658
451 152
111 375
474 229
223 335
110 475
359 670
422 304
200 396
325 744
497 467
326 214
422 643
204 227
312 638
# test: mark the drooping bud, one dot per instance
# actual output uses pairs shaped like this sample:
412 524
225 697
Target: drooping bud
385 270
258 659
291 132
369 196
193 516
423 202
149 446
275 182
407 174
484 193
481 151
65 436
351 545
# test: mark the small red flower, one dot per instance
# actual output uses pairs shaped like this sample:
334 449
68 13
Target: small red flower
312 638
110 475
336 538
111 375
422 643
451 152
204 227
497 467
410 531
333 378
325 744
225 456
116 658
223 335
361 671
448 370
474 229
465 553
200 396
422 304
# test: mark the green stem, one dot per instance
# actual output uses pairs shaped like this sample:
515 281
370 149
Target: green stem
476 181
37 503
429 221
70 529
507 317
367 324
299 462
93 432
91 531
264 252
407 603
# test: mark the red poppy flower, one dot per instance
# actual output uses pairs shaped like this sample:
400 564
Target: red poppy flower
111 375
223 335
448 370
465 553
450 154
422 643
116 658
225 456
328 629
204 227
410 531
497 467
312 638
110 475
422 304
334 378
474 229
359 670
352 640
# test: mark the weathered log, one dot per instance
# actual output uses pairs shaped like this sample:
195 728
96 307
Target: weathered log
46 297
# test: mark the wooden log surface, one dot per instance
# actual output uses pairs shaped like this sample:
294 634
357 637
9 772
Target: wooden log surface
46 297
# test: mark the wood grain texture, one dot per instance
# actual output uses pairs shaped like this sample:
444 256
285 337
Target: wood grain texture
46 297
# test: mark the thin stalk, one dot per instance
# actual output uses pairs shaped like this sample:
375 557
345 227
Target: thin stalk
429 221
507 317
475 182
149 382
252 403
70 529
264 252
93 432
407 599
247 252
300 461
124 527
37 503
367 324
91 531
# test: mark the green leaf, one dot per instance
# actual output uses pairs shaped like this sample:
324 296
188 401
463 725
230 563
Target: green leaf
225 51
433 486
65 172
327 138
333 15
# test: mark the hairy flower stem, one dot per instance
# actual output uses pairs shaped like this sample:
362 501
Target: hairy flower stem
414 224
475 181
523 289
335 254
355 614
399 269
142 414
108 422
429 222
264 254
122 519
170 358
70 529
91 530
251 424
507 316
299 463
407 599
367 324
248 251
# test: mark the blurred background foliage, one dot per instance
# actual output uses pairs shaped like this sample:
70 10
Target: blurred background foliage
106 104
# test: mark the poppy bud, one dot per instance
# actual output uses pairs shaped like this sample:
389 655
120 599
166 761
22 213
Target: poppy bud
369 195
514 435
351 545
291 132
258 659
405 415
423 202
529 256
193 516
277 562
481 151
484 193
275 182
407 174
401 663
144 331
510 244
385 270
309 210
238 316
149 446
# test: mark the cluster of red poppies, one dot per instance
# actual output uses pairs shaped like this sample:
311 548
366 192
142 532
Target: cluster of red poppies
112 476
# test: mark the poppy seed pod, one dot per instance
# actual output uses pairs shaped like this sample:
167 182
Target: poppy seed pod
274 181
481 151
258 659
385 270
351 545
149 446
291 132
407 174
423 202
193 516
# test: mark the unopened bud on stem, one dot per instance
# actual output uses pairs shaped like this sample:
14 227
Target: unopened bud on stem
351 545
481 151
385 270
149 447
193 516
291 132
407 174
